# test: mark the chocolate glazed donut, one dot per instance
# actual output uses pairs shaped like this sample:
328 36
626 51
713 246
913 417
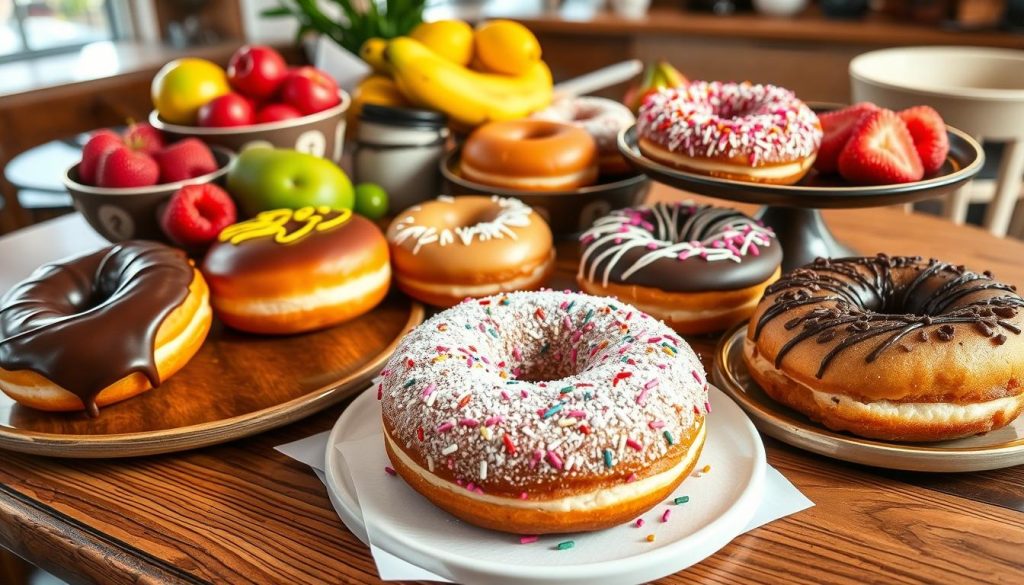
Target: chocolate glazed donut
894 348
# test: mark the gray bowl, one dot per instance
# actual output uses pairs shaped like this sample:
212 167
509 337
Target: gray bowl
134 213
567 212
321 134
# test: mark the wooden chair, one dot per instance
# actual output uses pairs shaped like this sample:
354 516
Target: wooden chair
978 90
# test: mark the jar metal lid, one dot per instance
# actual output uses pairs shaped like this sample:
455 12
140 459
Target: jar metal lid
408 117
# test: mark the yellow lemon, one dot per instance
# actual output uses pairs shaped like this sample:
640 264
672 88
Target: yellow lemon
372 52
183 86
451 39
505 46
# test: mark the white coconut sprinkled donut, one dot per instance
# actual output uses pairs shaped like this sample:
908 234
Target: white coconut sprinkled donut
543 412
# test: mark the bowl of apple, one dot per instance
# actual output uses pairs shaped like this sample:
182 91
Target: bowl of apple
124 181
258 100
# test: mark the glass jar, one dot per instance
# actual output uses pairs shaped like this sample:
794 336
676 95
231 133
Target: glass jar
401 149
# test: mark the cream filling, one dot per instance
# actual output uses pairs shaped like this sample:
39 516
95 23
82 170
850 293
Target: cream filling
594 500
480 290
479 176
916 411
708 165
346 292
161 355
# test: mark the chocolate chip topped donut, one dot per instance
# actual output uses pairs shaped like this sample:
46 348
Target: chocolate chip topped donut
895 348
543 412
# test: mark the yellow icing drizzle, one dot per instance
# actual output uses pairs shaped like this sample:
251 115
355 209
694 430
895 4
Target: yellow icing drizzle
274 224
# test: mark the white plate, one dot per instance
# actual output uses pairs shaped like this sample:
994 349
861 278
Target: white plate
722 502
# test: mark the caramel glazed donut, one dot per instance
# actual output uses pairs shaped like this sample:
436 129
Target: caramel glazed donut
530 155
101 328
697 268
756 133
543 412
289 271
449 249
891 348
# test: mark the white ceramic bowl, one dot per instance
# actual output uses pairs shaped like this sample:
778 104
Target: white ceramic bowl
978 90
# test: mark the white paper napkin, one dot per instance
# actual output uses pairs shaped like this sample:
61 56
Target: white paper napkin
780 497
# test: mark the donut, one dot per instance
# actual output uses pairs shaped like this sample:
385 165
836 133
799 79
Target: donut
543 412
290 271
530 155
893 348
100 328
738 131
698 268
449 249
602 118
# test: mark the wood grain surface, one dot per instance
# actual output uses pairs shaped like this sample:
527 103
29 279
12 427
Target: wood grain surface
243 513
236 385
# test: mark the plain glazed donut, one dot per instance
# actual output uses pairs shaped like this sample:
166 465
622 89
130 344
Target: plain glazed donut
739 131
543 412
892 348
698 268
101 328
288 271
449 249
602 118
530 155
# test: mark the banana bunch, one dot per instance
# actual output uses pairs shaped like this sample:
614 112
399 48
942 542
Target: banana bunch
492 73
657 76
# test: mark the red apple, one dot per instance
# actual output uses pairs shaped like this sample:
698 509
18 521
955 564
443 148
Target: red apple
276 113
100 143
256 71
143 138
309 90
230 109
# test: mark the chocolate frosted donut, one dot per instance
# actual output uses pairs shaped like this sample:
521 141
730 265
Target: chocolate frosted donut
894 348
698 268
102 327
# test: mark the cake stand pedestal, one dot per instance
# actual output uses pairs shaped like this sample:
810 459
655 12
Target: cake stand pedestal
793 211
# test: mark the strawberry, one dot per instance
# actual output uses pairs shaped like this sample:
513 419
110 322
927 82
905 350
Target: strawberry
838 126
880 151
123 167
100 143
185 159
196 214
144 138
929 133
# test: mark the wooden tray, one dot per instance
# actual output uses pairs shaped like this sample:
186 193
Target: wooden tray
237 385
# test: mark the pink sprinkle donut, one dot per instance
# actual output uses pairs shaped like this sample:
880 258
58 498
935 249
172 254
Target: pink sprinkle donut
739 131
602 118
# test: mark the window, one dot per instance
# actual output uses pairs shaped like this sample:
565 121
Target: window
37 27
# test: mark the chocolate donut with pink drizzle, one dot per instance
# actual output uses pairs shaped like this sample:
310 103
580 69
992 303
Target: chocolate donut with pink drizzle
697 267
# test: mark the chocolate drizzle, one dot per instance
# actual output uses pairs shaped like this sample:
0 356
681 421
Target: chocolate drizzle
885 299
87 322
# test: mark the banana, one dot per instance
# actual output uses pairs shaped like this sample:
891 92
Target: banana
468 97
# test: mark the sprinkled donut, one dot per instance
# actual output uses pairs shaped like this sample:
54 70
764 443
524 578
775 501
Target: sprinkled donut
895 348
543 412
451 248
602 118
739 131
698 268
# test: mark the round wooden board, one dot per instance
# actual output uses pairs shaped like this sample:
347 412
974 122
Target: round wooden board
237 385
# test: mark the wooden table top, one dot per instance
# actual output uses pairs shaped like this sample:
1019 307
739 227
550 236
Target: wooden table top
244 513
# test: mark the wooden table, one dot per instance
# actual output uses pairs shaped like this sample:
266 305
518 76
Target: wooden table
243 513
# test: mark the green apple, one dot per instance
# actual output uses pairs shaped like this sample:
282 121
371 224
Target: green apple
269 178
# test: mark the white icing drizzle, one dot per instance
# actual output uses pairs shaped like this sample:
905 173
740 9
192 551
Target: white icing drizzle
621 388
664 230
512 213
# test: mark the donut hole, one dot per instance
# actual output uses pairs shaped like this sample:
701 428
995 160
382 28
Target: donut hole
558 353
540 132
